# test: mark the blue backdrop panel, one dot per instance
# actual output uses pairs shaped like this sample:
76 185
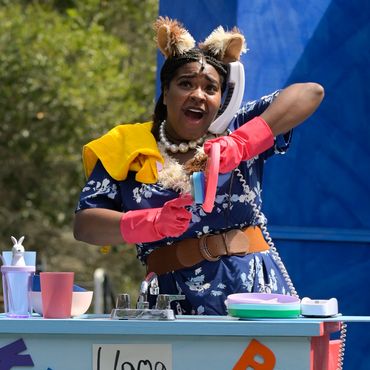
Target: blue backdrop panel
277 34
316 273
316 196
329 165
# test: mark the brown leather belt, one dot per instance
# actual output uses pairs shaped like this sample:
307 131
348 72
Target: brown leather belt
189 252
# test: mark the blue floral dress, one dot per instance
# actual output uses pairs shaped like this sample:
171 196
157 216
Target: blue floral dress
237 205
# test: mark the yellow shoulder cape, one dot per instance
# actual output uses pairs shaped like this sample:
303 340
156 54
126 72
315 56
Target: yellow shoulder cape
127 147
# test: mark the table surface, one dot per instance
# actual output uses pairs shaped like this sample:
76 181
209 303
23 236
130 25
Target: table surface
183 325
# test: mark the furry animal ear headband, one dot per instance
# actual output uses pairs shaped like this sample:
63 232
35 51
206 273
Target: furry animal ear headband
174 40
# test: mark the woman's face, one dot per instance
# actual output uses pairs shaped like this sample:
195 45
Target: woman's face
192 98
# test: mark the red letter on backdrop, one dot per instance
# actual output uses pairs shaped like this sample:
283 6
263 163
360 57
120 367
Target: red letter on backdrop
248 358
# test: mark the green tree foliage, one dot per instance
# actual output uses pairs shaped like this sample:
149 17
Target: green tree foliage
69 71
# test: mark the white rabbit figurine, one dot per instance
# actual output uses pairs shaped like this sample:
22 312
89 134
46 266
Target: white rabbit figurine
18 252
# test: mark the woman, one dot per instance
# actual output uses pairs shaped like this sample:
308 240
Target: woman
138 189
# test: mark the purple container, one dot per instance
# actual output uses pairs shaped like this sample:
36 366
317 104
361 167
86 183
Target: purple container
17 283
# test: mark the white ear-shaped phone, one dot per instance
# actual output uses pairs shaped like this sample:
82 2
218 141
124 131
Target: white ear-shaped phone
232 100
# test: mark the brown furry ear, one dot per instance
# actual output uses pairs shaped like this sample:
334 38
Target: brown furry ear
171 37
225 46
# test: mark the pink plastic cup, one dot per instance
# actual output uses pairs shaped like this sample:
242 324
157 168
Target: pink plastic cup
56 294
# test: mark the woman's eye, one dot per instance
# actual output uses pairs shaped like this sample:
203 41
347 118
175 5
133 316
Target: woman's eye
185 83
212 89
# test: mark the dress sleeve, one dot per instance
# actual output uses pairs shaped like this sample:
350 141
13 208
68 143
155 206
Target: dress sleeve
100 191
256 108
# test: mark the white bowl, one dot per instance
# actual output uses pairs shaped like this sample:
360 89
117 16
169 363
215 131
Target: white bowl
81 302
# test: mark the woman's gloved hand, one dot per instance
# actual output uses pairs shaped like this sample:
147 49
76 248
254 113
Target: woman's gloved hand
148 225
249 140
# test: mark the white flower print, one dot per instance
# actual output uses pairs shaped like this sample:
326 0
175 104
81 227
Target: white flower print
200 310
205 229
251 196
273 280
147 193
247 280
87 188
225 206
260 276
144 191
113 193
201 212
179 290
105 187
195 218
258 188
221 198
216 293
197 284
242 198
136 195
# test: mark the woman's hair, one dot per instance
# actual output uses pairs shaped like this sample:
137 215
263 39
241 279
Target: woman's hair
168 71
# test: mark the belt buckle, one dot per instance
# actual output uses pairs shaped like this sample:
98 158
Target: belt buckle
203 249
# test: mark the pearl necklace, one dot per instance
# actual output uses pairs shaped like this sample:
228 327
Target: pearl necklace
182 147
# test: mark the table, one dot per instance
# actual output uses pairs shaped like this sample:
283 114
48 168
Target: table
198 343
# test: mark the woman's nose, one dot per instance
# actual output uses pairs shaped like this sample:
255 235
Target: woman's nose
197 95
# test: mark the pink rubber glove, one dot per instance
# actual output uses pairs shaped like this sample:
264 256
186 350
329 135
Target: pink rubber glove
149 225
253 138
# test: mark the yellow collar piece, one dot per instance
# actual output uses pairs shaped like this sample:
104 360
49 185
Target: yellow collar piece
127 147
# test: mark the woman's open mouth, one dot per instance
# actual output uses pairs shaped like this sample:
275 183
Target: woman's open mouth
194 113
